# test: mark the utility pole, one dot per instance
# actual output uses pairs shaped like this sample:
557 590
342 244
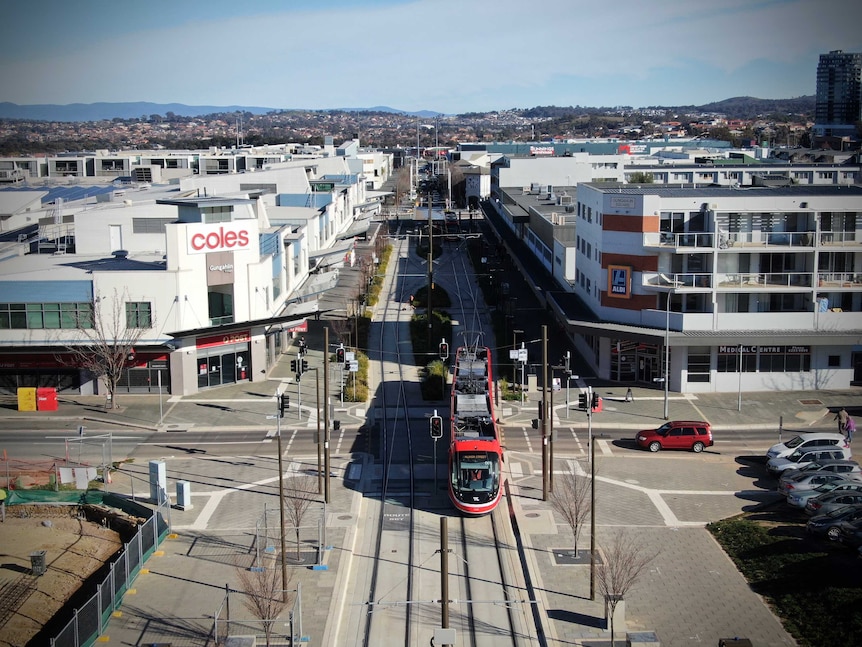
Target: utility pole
592 521
319 438
326 414
278 397
444 572
430 267
544 413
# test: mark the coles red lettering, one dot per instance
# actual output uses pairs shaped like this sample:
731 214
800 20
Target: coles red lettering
220 239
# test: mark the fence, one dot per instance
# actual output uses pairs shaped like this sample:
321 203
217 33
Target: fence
224 626
89 621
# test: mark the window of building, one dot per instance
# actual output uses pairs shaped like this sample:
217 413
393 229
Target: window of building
139 315
698 363
150 225
834 361
35 316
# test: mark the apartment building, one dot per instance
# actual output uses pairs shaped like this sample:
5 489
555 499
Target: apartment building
754 288
839 94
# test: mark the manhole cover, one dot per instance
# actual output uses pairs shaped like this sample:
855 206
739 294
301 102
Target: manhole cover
532 515
811 402
345 517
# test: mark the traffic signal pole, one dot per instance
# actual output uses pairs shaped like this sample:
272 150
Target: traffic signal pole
326 414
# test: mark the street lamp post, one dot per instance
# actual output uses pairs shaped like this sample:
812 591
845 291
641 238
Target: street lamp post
666 352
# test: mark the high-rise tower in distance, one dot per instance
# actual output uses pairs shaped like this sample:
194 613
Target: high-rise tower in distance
839 94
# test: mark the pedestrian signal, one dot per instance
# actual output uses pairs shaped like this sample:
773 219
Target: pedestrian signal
339 355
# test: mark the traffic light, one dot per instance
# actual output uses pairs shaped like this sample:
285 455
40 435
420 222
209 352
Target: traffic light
283 403
595 403
293 366
582 400
339 355
444 350
304 366
436 427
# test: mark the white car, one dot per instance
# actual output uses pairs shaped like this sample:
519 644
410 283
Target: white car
798 459
814 440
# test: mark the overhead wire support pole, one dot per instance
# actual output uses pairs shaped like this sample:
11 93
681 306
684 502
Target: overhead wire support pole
326 414
281 499
544 413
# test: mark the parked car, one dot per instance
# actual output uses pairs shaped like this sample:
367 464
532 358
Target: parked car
814 440
850 533
800 498
796 479
828 524
831 501
676 434
797 460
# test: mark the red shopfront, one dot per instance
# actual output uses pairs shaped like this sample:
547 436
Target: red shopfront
223 359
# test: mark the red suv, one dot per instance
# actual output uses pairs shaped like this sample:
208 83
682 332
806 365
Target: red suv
676 434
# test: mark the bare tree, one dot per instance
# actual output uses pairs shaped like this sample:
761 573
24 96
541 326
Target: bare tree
403 182
110 333
624 561
264 596
571 498
300 493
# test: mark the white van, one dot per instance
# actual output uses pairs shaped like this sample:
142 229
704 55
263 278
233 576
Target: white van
814 440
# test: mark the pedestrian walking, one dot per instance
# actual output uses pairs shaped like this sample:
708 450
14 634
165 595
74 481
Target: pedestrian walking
629 396
2 505
842 417
849 428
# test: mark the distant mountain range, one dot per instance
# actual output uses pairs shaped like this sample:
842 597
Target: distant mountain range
737 107
136 109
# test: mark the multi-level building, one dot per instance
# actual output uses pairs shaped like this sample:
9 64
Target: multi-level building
741 288
839 94
207 275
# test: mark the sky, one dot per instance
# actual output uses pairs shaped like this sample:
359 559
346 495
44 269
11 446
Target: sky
450 56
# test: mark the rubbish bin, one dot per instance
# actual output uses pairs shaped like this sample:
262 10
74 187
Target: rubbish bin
37 562
46 398
27 398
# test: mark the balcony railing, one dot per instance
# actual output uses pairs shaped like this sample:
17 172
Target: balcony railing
221 321
839 279
747 280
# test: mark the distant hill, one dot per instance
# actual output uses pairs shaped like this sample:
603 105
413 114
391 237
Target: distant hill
751 107
101 111
737 107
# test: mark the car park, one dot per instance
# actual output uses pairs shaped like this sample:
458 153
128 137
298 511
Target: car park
800 498
831 501
676 434
814 440
797 460
827 525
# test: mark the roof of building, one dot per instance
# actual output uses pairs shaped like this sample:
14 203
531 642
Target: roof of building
710 191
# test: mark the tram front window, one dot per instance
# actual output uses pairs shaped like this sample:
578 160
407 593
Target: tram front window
476 476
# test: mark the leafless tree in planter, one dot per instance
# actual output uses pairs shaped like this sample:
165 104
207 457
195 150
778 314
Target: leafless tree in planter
300 492
264 593
571 498
107 337
624 561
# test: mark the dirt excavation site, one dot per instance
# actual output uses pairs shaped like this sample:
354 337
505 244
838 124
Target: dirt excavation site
74 549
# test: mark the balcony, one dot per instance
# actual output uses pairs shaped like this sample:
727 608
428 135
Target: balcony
749 280
804 240
839 280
